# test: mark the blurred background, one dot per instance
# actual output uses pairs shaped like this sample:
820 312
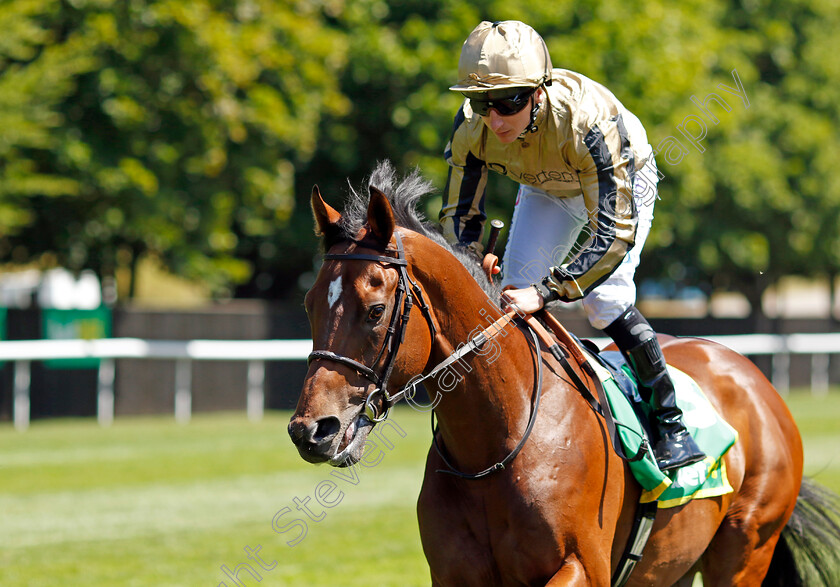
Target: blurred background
157 156
156 163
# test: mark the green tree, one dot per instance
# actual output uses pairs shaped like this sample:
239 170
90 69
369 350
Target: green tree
167 128
37 76
194 131
762 201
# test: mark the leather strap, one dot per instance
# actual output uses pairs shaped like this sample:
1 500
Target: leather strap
363 257
512 454
331 356
600 404
639 534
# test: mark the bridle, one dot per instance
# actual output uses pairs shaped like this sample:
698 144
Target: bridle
407 291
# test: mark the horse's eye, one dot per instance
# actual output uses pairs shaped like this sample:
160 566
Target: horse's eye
376 312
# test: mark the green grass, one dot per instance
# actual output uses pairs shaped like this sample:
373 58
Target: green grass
819 423
149 502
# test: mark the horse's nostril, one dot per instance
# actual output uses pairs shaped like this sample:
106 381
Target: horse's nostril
316 433
326 428
297 431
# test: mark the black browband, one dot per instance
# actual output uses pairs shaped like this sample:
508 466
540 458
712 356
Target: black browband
396 332
406 288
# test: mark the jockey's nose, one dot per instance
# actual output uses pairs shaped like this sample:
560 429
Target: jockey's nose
496 120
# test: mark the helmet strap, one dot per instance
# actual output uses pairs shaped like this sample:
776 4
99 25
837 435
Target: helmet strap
532 126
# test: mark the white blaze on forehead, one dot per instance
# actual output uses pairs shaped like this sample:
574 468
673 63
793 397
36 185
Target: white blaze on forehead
334 291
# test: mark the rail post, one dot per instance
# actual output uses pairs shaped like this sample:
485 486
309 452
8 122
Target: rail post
21 395
256 393
183 392
105 392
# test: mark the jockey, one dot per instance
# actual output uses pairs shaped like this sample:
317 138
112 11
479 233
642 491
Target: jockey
587 185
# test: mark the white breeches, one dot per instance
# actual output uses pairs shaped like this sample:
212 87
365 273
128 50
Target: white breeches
545 229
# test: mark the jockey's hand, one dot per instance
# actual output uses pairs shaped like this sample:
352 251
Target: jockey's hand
527 300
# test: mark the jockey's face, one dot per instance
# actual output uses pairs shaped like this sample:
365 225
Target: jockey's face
508 128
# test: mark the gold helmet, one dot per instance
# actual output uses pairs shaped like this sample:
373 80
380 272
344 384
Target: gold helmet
504 54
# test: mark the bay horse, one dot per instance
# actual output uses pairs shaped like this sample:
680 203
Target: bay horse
393 300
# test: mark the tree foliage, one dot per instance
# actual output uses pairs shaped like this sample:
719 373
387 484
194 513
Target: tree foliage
194 130
761 201
163 127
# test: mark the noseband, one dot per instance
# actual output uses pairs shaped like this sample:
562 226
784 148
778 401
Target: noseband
407 290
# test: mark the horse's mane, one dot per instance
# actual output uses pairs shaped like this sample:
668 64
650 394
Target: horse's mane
404 195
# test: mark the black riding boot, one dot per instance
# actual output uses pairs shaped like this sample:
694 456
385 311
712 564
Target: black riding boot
637 342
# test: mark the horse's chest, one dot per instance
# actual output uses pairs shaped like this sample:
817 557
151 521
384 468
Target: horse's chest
503 537
523 551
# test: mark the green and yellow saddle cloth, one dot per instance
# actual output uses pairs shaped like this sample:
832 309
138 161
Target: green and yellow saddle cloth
714 436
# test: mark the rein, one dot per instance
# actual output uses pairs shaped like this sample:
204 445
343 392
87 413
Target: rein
531 420
407 289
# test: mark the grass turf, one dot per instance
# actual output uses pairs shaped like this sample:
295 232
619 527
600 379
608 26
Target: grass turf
150 502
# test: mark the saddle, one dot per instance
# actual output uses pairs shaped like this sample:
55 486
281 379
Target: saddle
627 421
627 417
566 346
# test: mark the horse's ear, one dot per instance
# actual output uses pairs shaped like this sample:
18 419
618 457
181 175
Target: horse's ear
326 217
380 216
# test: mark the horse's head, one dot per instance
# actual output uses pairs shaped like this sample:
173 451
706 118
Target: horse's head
358 315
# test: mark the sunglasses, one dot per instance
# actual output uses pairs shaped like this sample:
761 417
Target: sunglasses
504 106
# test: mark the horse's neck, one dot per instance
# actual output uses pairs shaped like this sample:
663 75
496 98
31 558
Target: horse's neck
490 400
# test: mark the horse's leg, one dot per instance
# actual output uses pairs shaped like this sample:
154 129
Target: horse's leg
768 457
741 551
742 548
454 554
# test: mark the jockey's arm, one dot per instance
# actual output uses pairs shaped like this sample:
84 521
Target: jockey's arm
606 176
462 215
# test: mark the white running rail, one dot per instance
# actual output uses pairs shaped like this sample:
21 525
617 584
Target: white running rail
257 352
254 352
